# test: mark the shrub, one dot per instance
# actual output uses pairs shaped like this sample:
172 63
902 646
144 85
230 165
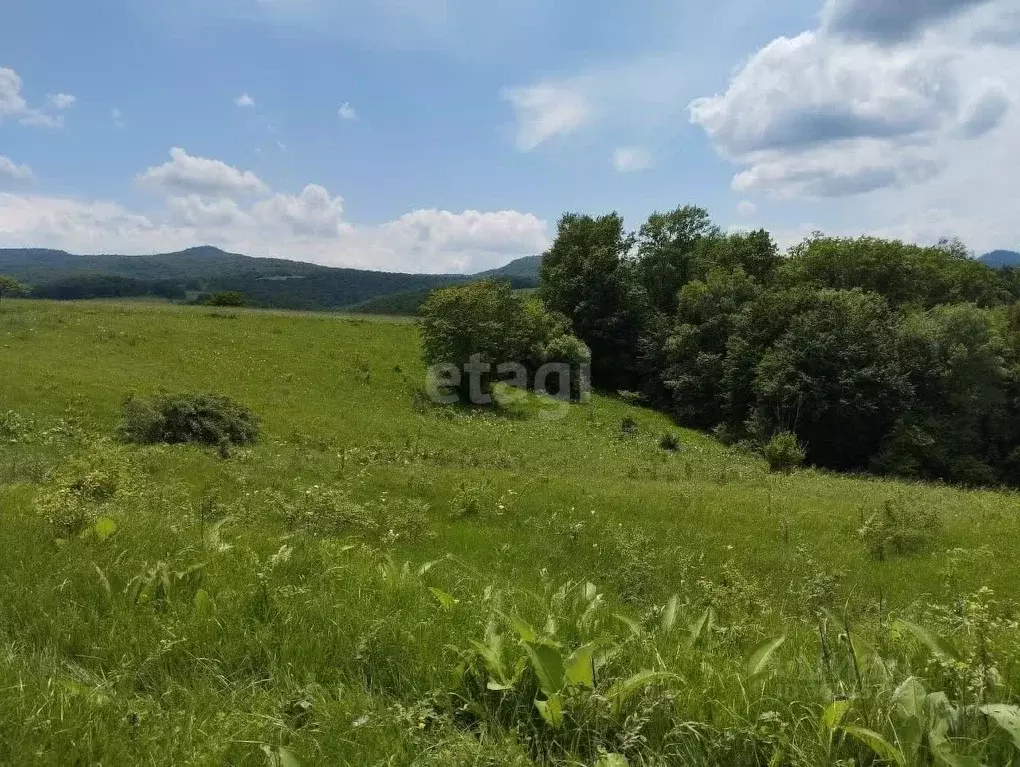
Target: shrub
670 442
628 427
784 453
226 298
203 419
330 512
491 322
85 488
899 531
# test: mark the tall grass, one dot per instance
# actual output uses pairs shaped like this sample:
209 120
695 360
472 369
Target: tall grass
380 582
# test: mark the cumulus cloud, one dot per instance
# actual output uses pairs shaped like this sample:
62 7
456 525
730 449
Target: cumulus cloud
809 90
890 21
631 158
14 106
545 111
12 171
347 112
185 174
843 169
746 208
308 226
244 101
825 114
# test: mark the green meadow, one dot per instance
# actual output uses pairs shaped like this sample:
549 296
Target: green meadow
383 581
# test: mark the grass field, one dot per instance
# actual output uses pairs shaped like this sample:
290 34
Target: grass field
334 594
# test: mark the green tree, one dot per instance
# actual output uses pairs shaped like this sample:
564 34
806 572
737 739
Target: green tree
695 351
587 276
903 273
822 365
11 288
489 324
670 253
963 423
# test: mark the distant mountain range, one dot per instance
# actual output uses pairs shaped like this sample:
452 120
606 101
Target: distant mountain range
270 282
998 259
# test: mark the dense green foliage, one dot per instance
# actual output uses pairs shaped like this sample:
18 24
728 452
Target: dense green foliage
267 282
876 355
11 288
383 582
491 324
175 419
229 298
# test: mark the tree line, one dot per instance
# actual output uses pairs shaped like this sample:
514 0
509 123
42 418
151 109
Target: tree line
878 355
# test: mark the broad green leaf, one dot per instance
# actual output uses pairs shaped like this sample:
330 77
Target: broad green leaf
213 539
492 656
936 644
633 625
833 715
612 760
202 604
590 592
908 710
104 528
551 710
548 665
622 690
104 583
580 669
669 613
1007 717
446 600
280 757
879 745
707 620
524 629
763 656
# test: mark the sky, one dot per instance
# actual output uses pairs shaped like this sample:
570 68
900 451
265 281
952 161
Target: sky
450 135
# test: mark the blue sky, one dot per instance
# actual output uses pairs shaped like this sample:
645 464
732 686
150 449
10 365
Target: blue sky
448 135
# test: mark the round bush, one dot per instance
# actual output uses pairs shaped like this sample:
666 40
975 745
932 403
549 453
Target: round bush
173 419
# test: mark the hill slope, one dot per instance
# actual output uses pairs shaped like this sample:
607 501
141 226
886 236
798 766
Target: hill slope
383 581
266 281
1000 258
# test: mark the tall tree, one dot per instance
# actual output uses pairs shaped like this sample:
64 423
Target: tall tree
587 276
11 288
670 253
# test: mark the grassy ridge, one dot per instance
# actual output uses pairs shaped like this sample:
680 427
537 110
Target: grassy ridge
313 637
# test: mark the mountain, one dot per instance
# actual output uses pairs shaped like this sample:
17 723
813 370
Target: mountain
1000 258
271 282
524 268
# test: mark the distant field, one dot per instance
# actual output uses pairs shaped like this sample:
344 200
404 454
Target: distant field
301 645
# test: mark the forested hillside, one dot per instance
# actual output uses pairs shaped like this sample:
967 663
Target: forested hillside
269 282
873 355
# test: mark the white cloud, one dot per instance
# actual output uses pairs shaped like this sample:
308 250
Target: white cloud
11 170
818 115
13 104
837 170
346 112
60 100
307 226
244 101
197 175
545 111
746 208
890 21
631 159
